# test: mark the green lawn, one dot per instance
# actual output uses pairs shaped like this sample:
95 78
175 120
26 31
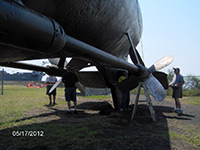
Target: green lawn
18 99
19 103
194 100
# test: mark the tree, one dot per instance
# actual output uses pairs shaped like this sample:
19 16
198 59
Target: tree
192 82
170 75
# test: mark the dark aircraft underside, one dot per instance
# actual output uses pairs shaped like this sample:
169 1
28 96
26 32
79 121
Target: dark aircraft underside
92 32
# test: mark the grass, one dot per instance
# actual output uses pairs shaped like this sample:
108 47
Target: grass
194 100
189 134
19 103
17 100
55 135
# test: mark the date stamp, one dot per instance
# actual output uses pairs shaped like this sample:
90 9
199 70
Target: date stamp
28 133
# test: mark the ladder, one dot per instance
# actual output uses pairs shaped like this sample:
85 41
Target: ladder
148 100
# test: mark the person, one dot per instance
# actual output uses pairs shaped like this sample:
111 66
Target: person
69 79
176 85
125 95
50 81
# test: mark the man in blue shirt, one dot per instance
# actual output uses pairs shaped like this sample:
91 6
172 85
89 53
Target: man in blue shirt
177 84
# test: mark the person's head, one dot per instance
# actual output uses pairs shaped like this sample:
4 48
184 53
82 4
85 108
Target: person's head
176 70
68 68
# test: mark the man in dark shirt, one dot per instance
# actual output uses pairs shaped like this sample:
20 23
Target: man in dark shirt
69 79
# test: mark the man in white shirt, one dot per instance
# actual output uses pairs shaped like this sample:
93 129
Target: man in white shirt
50 81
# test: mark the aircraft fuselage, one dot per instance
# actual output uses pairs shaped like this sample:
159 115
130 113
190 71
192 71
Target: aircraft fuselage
100 23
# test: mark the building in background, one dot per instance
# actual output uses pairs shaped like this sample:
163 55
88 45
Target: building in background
33 76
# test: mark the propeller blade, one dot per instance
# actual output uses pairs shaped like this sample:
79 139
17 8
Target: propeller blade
54 61
162 63
55 85
162 78
77 64
59 62
155 88
62 62
129 83
133 57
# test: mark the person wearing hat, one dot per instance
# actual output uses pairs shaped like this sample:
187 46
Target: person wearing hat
176 85
69 79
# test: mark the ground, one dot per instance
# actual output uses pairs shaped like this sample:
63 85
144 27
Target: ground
91 130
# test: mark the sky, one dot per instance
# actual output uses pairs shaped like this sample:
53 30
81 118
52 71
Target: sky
170 27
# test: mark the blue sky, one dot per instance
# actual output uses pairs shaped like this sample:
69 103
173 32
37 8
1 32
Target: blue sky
170 27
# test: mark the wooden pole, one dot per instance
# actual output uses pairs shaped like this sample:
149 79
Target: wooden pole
2 74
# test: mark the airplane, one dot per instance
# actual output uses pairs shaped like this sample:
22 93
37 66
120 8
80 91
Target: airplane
100 33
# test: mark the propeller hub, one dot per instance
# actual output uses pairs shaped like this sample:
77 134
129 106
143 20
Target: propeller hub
143 73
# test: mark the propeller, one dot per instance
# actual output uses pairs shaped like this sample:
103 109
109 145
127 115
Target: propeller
154 86
162 63
60 63
55 85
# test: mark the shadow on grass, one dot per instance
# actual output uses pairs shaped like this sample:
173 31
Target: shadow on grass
181 117
177 116
90 131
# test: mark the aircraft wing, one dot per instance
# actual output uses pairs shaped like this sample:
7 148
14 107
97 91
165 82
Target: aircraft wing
78 63
49 70
88 79
91 79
